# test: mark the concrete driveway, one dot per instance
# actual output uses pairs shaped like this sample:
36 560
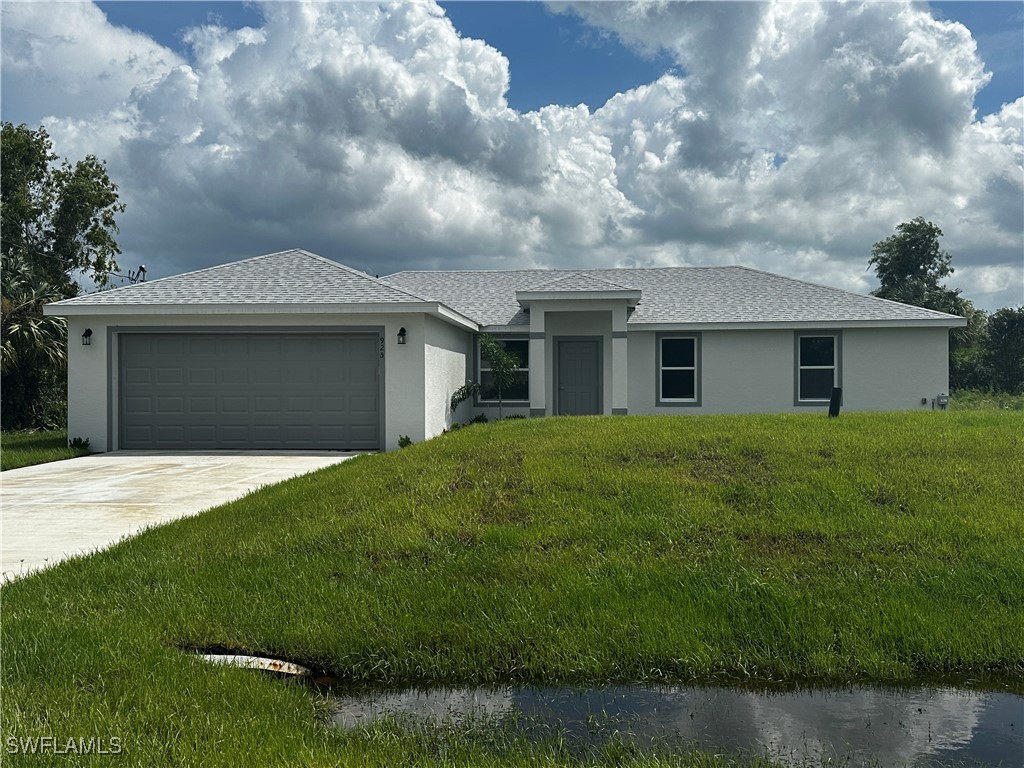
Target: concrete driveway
52 511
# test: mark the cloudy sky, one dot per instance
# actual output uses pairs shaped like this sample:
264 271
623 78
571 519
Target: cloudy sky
784 136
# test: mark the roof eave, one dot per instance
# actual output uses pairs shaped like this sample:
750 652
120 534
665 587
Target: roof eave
59 309
952 322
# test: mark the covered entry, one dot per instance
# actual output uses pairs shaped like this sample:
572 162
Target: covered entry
237 391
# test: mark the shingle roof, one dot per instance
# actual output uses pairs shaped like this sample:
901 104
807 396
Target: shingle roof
285 277
692 295
577 282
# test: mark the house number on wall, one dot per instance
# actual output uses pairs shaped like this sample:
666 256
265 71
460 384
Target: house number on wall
381 347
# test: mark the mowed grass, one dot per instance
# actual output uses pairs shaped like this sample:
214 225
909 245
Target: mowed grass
23 449
885 548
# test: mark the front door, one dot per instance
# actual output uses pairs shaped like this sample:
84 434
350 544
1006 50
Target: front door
579 377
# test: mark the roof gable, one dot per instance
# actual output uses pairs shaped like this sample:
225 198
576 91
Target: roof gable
286 277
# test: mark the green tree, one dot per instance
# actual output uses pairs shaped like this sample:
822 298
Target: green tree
28 335
60 220
910 266
1004 350
504 365
57 224
968 365
33 355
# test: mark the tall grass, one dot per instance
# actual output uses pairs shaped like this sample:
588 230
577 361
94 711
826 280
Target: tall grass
875 547
979 400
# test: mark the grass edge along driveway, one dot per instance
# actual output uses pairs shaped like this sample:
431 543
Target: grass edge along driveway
875 548
29 447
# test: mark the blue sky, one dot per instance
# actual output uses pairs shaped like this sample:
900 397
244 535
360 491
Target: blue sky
998 29
783 136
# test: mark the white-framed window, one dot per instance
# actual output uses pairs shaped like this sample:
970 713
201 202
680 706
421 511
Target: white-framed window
817 366
678 369
520 390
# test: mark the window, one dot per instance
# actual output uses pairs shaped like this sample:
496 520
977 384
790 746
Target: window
817 368
678 375
520 390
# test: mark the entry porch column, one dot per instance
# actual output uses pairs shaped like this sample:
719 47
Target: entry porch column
620 368
538 373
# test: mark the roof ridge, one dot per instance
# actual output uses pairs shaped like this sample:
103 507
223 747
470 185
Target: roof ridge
590 275
561 270
144 283
604 279
353 271
300 251
470 271
228 270
560 276
214 268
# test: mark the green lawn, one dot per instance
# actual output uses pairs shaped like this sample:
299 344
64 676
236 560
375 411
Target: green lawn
23 449
874 547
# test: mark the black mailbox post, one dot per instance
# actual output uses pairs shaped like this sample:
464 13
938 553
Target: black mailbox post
835 401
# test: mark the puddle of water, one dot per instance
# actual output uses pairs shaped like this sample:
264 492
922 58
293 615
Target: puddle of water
904 727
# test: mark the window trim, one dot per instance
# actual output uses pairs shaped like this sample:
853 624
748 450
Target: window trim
837 367
698 370
480 402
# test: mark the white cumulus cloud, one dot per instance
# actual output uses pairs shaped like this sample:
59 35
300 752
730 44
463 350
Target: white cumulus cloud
791 138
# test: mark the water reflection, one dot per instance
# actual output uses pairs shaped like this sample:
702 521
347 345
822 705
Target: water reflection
916 727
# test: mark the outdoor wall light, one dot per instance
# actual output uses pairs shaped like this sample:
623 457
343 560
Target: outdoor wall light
87 337
401 335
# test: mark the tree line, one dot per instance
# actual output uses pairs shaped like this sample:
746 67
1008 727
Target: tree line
986 354
58 225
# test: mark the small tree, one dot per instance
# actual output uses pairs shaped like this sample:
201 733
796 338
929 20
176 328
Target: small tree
504 365
463 393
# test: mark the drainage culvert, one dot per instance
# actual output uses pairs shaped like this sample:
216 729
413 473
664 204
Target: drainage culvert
262 663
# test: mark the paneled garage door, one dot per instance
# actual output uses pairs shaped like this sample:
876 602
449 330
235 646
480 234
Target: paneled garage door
194 391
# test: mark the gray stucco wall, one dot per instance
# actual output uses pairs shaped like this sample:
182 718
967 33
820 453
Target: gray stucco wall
92 370
894 368
753 371
741 371
447 366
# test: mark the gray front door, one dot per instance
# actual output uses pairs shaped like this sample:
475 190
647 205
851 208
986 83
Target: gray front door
249 391
579 377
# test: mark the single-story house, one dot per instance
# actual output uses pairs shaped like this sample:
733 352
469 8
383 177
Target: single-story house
294 351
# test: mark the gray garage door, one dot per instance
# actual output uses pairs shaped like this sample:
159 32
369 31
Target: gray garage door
249 391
